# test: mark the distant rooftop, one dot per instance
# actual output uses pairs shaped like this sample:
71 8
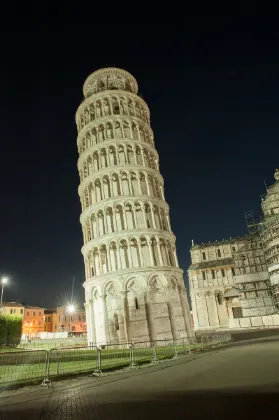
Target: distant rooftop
15 304
223 242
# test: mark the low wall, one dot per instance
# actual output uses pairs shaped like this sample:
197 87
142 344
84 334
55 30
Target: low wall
255 321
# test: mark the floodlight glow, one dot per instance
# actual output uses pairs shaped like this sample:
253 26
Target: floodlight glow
71 308
4 280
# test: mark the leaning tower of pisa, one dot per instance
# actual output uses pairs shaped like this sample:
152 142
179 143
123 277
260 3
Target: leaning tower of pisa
134 288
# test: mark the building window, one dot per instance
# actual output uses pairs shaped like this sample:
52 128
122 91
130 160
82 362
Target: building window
116 323
233 248
223 273
213 274
237 312
219 299
203 275
40 313
203 256
33 322
79 318
148 223
11 311
48 319
59 318
233 271
27 313
34 313
218 252
136 303
39 322
73 328
21 311
65 318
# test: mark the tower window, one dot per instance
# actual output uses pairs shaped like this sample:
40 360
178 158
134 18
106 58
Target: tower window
203 256
218 252
203 275
233 271
223 273
213 274
136 303
233 248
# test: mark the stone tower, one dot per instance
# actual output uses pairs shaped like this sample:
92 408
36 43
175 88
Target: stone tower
270 235
134 288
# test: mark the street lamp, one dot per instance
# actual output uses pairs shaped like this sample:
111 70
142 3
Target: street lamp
4 281
71 309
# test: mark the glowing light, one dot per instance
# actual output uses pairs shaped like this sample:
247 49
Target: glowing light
4 280
71 308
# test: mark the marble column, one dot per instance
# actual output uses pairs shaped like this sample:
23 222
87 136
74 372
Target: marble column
126 314
105 318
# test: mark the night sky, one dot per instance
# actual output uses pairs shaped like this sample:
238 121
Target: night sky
213 90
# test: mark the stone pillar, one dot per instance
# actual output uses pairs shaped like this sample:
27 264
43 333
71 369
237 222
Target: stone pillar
172 321
105 318
186 311
150 320
194 307
126 314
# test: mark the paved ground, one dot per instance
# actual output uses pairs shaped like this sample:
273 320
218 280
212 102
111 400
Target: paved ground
233 383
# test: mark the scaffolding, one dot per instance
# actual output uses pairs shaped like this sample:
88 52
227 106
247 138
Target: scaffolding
267 230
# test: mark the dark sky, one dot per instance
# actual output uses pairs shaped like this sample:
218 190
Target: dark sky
212 86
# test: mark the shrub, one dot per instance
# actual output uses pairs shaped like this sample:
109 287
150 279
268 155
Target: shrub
10 330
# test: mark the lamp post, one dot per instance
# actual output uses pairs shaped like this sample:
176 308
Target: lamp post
4 280
71 309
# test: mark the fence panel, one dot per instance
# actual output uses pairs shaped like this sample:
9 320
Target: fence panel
115 355
19 366
144 351
72 360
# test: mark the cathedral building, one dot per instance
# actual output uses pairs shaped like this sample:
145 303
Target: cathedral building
134 288
234 283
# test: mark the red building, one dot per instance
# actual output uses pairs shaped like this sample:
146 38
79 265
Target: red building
33 321
73 322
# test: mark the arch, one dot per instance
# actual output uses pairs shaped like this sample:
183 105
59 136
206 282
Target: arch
135 252
127 130
106 107
157 217
139 156
109 128
135 184
98 190
106 184
143 183
123 251
129 216
135 133
125 183
101 133
104 159
146 260
219 298
101 223
116 185
139 213
113 256
116 322
109 220
155 253
96 261
121 155
130 155
170 254
112 156
118 131
148 216
96 161
163 250
119 218
135 285
104 259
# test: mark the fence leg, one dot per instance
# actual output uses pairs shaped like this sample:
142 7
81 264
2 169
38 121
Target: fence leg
57 363
175 356
189 346
98 371
46 381
154 360
133 363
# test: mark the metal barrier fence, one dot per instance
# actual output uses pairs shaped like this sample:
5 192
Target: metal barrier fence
19 366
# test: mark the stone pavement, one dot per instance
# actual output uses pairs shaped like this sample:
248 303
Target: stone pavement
235 382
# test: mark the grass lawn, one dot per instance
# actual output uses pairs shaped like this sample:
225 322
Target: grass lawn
31 365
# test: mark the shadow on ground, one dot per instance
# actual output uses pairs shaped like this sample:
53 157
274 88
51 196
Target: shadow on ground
228 404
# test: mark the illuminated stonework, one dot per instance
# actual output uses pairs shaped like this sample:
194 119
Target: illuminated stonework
134 289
